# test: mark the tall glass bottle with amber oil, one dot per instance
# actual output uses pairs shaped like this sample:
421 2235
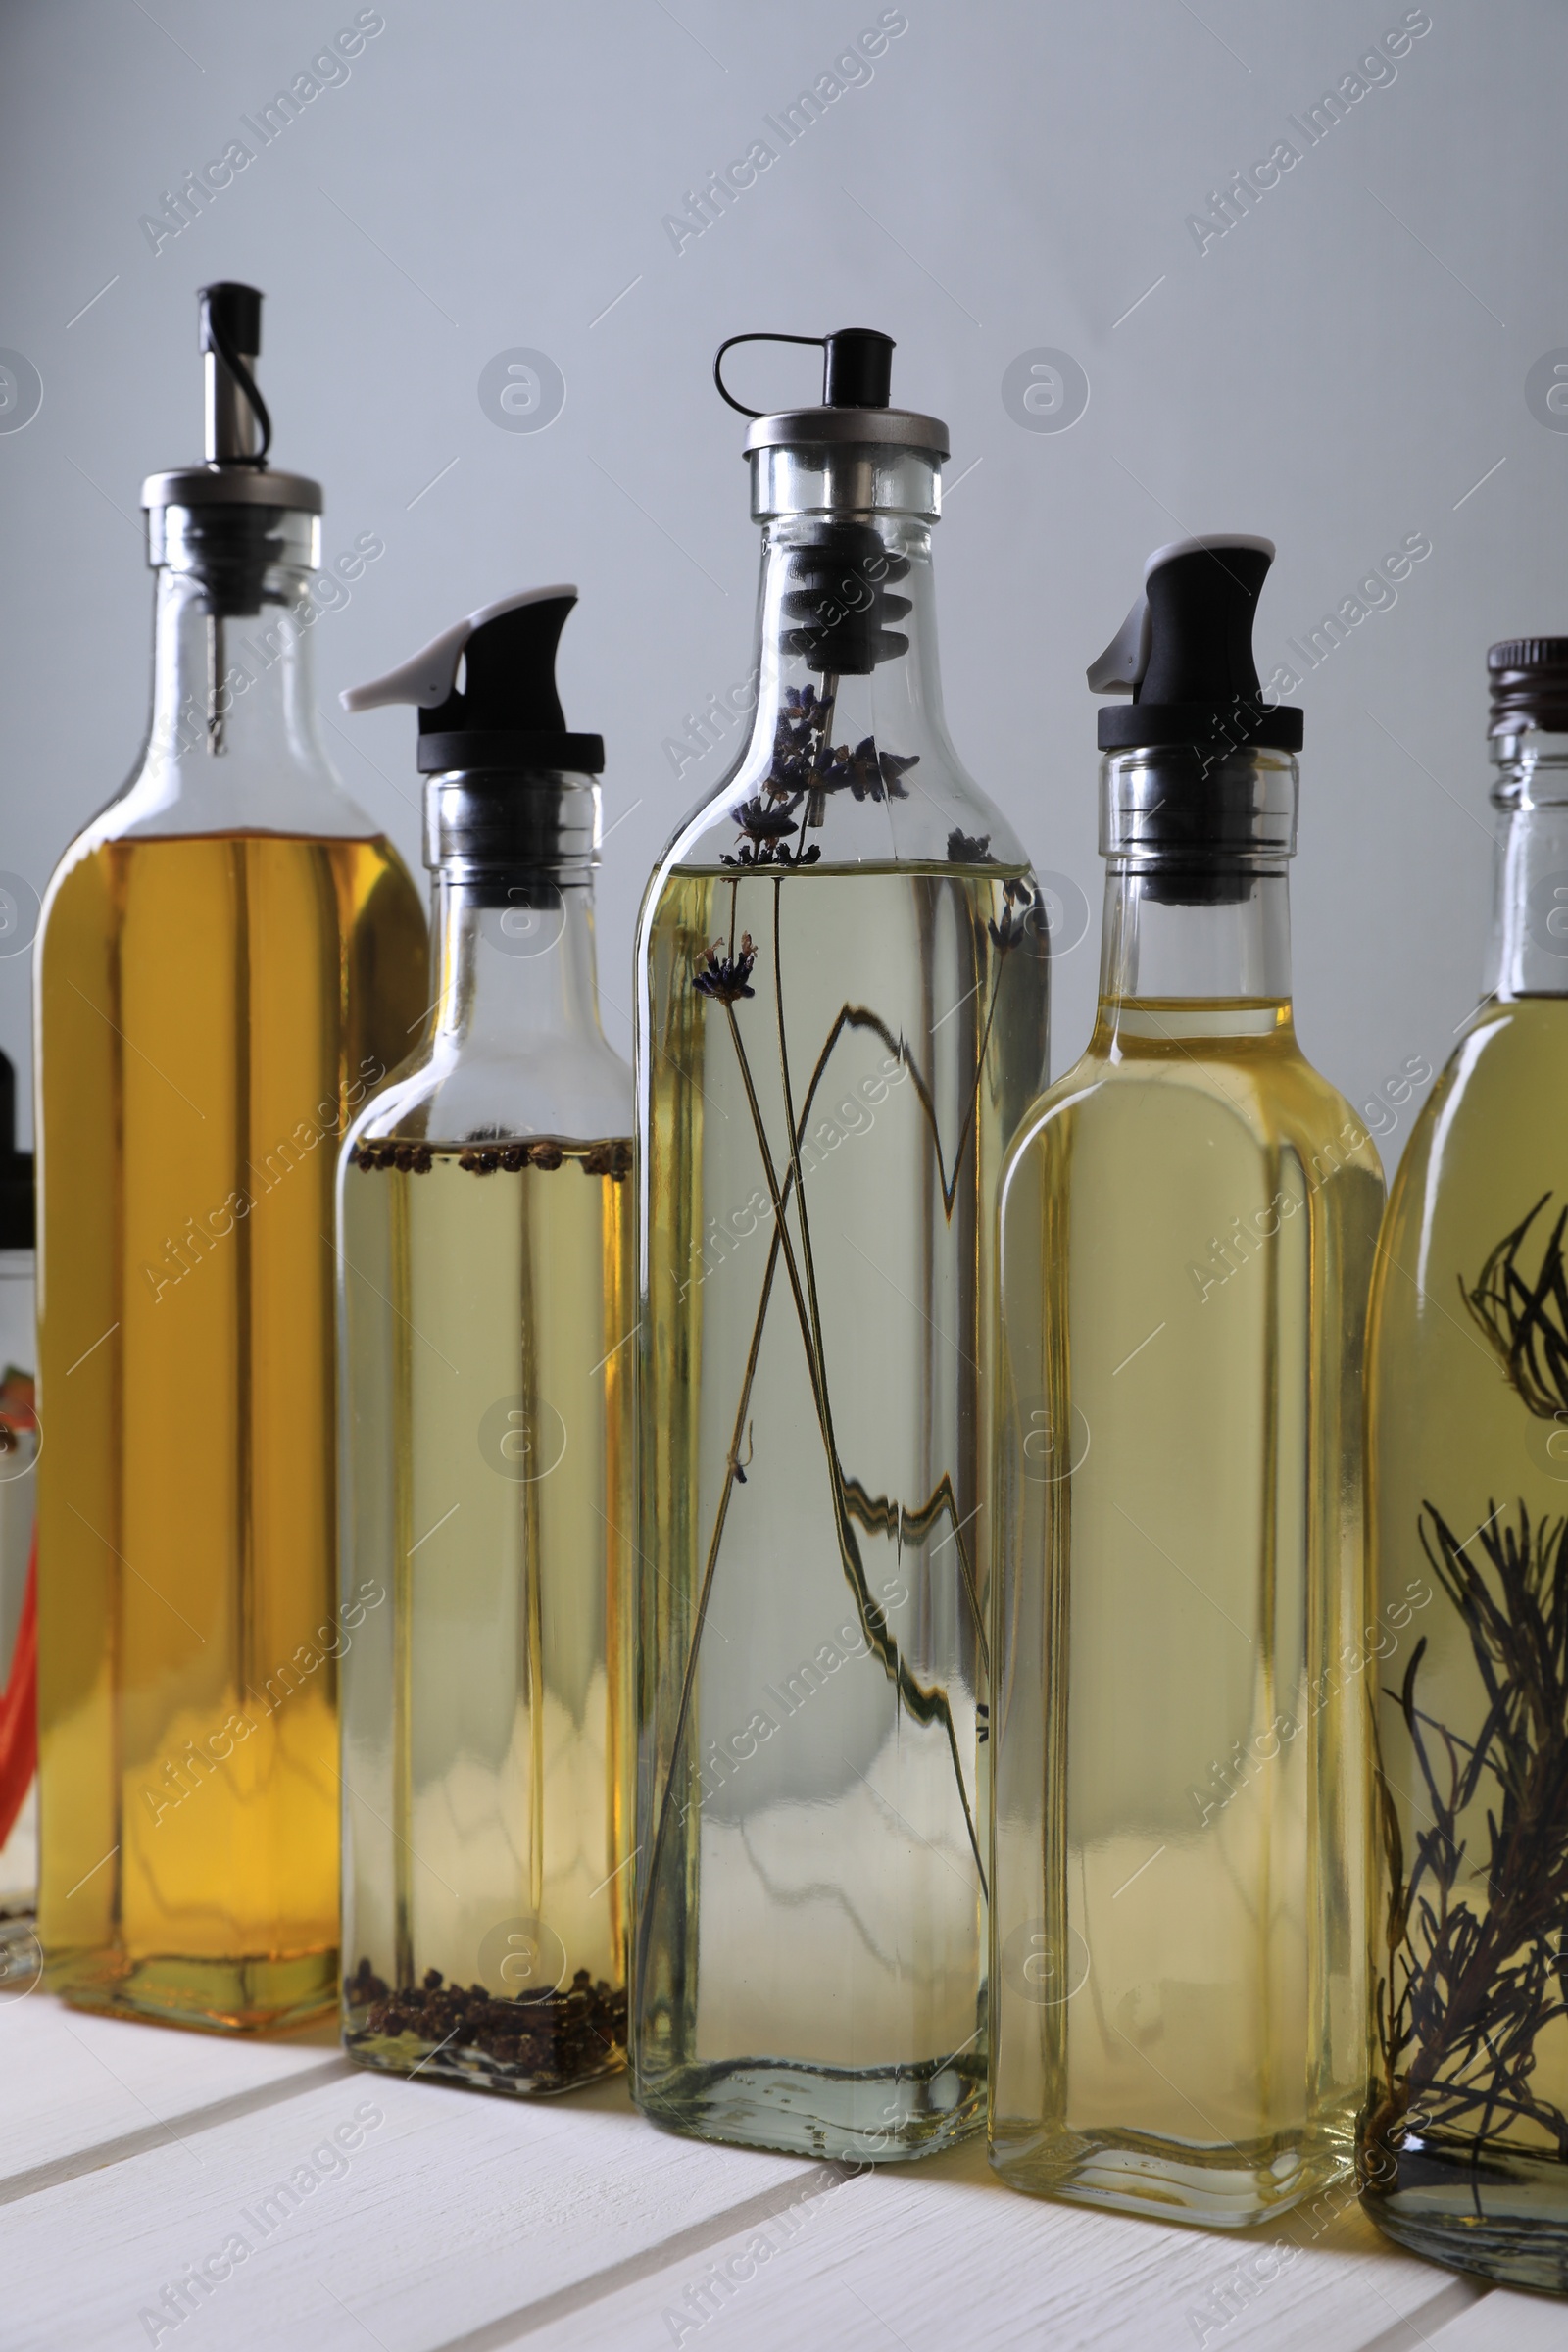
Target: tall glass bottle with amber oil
1464 2141
1187 1229
230 955
842 1018
485 1239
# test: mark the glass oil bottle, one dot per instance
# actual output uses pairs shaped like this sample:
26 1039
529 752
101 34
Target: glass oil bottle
1187 1228
230 955
1464 2141
18 1570
485 1236
842 997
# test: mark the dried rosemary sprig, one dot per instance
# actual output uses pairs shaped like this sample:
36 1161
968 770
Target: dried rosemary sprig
1472 1986
1525 1318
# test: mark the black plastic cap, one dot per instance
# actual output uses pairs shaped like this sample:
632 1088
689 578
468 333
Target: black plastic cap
1529 681
230 317
508 714
16 1170
1198 683
858 369
1200 610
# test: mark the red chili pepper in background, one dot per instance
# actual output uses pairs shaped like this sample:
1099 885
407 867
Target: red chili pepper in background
18 1706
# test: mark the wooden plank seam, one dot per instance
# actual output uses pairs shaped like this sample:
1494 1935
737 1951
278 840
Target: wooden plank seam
772 2204
1254 2272
1448 2303
174 2128
329 2161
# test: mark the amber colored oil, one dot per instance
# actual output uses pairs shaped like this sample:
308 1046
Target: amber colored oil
210 1010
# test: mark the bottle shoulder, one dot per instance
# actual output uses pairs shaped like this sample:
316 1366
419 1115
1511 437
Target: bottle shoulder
894 812
1467 1394
1507 1045
1258 1083
94 874
288 787
1262 1091
686 899
1492 1138
571 1088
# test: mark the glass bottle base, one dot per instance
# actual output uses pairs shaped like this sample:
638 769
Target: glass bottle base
1504 2219
20 1953
522 2049
872 2115
476 2069
216 1996
1221 2189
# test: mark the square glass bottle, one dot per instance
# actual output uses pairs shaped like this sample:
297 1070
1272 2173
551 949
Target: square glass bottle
1186 1226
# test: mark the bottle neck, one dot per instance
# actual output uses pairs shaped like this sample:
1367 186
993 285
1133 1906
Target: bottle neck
846 657
1528 949
233 666
1169 949
1198 911
516 964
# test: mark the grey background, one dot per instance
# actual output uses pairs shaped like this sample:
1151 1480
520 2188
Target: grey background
1338 371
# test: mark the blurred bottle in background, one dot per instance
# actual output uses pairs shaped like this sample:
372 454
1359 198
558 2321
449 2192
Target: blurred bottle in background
19 1609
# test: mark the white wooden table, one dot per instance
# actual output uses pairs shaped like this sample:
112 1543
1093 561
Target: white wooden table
132 2155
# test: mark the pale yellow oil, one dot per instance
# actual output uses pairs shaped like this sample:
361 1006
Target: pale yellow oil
1178 1982
487 1462
210 1010
814 1680
1472 2178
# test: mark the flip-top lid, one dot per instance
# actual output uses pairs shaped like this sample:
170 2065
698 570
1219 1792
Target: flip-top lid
856 378
507 715
1184 654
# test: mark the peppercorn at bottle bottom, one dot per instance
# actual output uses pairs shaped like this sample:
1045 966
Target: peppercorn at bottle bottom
551 2041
